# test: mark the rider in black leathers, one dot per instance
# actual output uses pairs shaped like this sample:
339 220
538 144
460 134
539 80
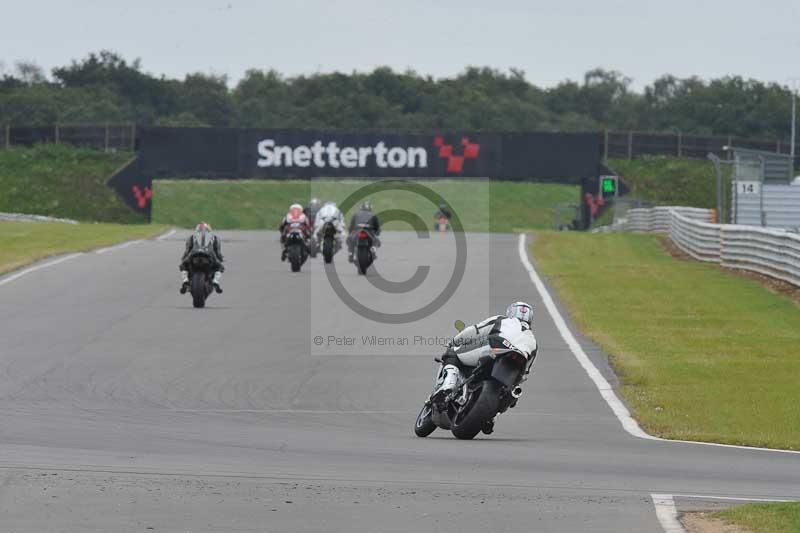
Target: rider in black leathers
364 216
202 233
312 209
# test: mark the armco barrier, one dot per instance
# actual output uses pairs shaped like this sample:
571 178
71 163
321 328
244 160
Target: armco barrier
699 239
657 219
774 253
771 252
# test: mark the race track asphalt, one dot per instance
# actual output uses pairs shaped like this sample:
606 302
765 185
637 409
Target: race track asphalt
122 408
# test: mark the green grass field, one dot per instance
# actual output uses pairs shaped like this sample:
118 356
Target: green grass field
481 205
702 354
63 182
26 242
764 517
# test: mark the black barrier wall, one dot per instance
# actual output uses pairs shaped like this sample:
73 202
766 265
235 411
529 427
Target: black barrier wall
223 153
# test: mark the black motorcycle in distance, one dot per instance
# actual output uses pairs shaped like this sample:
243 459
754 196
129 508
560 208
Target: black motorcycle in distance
329 244
201 274
364 257
296 248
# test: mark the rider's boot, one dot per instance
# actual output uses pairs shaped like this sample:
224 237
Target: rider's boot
216 280
283 254
488 426
449 383
374 253
184 281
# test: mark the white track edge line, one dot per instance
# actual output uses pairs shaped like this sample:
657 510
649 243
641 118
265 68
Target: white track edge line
117 247
166 235
606 391
667 514
730 498
40 266
603 386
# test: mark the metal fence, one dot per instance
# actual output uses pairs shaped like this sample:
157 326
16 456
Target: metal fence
633 144
100 136
764 204
771 252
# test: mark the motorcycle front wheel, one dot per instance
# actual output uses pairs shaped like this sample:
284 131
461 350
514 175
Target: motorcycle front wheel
424 426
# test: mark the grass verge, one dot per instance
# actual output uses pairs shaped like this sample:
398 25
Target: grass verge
26 242
481 205
702 354
764 517
665 180
62 181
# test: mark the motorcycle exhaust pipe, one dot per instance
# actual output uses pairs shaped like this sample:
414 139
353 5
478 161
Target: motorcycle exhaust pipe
516 392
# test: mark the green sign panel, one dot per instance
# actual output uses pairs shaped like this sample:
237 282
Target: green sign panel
609 185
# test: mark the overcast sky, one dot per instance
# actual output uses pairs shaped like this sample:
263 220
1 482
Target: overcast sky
550 40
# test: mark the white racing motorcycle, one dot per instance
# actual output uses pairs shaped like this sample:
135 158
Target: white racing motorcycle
490 388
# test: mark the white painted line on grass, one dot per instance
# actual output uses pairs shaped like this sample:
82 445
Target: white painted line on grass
606 390
166 235
117 247
667 514
40 266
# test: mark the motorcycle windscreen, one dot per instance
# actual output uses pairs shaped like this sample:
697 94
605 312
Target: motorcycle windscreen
508 368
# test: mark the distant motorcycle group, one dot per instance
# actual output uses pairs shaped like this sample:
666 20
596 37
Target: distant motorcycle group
305 232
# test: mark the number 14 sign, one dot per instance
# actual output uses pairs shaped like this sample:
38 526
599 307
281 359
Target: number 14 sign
748 187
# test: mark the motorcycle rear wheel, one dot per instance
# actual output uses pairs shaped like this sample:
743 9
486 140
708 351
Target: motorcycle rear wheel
295 257
198 289
327 250
479 410
364 258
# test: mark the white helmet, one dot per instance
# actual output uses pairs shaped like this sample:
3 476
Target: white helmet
520 311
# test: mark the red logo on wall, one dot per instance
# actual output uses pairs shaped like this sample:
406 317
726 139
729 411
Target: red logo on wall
455 163
142 197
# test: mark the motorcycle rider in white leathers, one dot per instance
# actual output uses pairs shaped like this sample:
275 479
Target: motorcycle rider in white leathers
329 213
478 340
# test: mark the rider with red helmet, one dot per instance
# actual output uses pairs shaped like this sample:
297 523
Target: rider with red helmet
294 216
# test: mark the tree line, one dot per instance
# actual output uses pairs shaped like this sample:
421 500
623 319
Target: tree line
105 87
